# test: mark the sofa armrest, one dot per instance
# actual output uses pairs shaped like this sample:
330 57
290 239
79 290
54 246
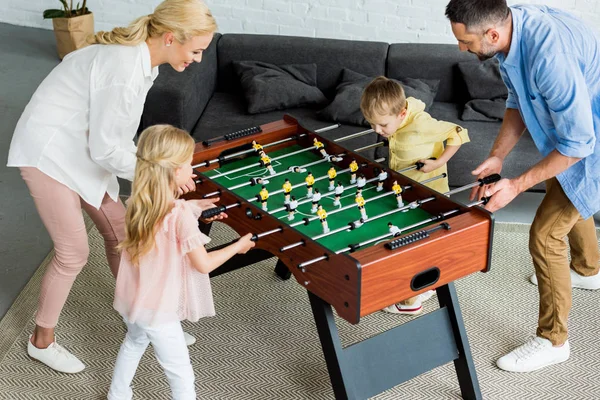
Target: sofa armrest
179 98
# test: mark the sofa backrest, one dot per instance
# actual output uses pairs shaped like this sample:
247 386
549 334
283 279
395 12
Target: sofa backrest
330 55
430 61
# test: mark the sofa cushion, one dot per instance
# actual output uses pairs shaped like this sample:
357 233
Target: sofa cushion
330 55
484 110
345 107
430 61
269 87
226 113
483 79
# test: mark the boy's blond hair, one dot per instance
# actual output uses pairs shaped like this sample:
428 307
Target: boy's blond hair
161 150
382 96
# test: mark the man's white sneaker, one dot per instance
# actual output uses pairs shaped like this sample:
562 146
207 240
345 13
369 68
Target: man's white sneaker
189 339
413 309
577 281
56 357
537 353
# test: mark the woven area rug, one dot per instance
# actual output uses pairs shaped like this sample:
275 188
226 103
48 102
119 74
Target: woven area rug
263 343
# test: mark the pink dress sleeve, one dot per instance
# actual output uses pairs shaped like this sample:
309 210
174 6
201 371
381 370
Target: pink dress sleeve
196 300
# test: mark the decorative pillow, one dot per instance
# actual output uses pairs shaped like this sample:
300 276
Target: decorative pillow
345 107
483 79
269 87
484 110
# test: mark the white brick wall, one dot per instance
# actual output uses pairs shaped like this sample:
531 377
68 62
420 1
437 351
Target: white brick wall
391 21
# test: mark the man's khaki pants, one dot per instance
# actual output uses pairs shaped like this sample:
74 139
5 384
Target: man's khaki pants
556 218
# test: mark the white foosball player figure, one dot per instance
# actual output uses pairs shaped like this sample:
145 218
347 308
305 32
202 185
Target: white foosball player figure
394 230
381 179
316 197
361 181
291 208
339 190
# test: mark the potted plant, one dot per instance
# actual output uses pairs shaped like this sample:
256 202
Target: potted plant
71 25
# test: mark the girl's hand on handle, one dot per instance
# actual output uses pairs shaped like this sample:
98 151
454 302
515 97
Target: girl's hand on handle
206 204
190 186
245 243
492 165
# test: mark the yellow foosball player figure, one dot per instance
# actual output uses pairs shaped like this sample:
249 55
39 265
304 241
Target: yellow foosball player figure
339 189
323 218
315 200
287 190
360 202
310 181
332 173
353 168
398 190
257 147
264 195
291 208
265 161
321 147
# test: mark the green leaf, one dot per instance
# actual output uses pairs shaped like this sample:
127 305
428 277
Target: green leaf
64 3
48 14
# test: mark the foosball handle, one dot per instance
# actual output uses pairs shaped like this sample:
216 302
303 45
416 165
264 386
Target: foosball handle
414 237
420 165
493 178
212 212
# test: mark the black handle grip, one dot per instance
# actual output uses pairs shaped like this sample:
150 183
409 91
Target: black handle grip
489 179
486 200
420 165
212 212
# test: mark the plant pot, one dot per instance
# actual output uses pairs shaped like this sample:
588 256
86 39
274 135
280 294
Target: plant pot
71 33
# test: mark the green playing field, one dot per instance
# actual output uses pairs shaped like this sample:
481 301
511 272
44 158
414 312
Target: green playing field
335 219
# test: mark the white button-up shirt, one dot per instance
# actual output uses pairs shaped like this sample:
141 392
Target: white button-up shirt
79 126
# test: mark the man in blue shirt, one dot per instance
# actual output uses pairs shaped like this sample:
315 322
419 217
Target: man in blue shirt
550 63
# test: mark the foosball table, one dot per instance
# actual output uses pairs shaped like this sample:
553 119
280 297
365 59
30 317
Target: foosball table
359 237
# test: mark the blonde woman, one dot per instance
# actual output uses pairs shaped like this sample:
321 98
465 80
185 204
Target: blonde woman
163 273
76 136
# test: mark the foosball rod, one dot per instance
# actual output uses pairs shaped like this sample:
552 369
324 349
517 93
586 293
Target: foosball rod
354 135
484 200
302 183
409 206
285 172
240 153
438 217
493 178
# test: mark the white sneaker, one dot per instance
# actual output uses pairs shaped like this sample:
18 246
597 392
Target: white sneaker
413 309
577 281
189 339
537 353
56 357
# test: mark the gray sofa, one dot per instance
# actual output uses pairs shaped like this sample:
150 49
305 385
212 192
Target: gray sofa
207 99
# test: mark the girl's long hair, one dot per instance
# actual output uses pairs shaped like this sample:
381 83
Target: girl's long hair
184 18
161 150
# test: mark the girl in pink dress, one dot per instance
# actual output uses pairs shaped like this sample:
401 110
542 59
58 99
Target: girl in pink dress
163 273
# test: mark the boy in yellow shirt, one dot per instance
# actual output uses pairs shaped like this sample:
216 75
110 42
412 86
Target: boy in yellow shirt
413 135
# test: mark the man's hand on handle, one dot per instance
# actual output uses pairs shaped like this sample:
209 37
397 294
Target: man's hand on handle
492 165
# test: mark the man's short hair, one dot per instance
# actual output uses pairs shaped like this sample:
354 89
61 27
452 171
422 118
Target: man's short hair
476 14
382 96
